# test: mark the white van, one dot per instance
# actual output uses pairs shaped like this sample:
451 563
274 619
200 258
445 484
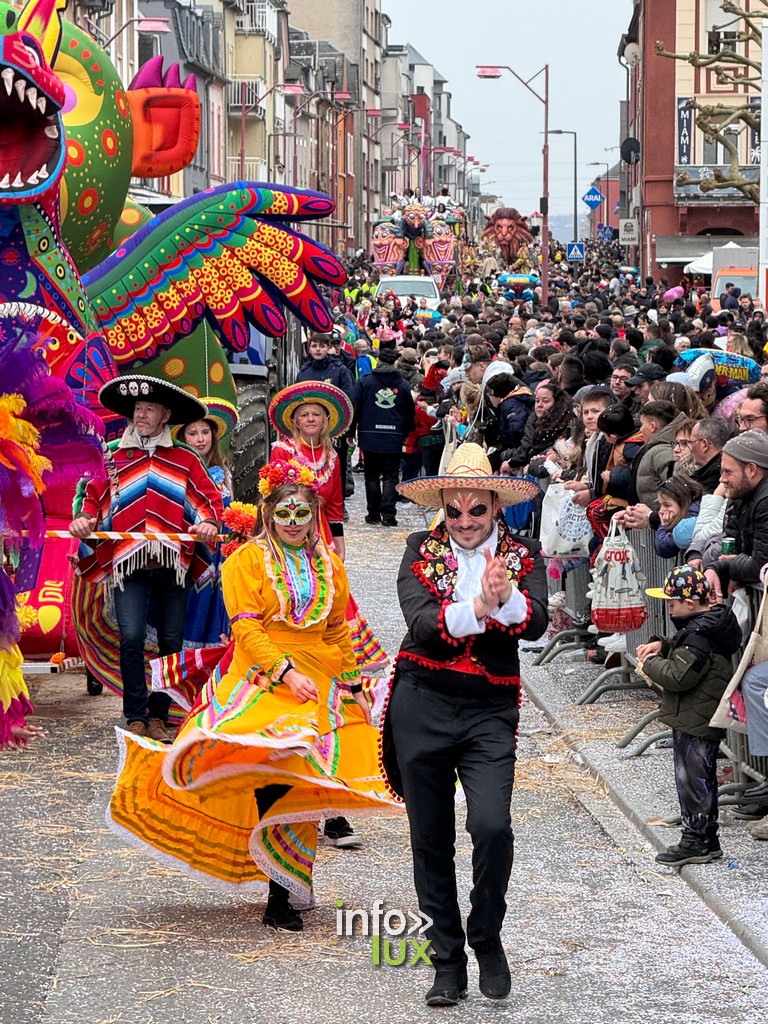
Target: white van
406 285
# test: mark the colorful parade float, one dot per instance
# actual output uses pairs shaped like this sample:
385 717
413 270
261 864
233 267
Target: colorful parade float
92 286
411 238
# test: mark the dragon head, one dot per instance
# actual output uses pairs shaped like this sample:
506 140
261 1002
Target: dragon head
32 152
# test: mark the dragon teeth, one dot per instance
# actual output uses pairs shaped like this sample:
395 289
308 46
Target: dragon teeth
32 96
17 182
6 181
20 86
7 77
41 104
43 172
32 179
52 131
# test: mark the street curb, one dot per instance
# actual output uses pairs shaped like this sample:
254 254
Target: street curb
752 940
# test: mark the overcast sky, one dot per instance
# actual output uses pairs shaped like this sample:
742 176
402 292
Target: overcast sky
579 40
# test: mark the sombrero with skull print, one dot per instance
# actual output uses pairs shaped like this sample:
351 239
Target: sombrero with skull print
121 395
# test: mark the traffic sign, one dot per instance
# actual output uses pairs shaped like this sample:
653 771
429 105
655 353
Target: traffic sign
606 234
593 198
574 252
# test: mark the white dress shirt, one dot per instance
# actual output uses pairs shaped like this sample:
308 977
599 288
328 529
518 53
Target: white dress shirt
460 619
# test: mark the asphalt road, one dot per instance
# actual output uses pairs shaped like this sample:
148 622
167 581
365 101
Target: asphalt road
92 931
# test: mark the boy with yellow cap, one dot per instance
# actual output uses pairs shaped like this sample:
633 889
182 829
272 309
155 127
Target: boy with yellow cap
693 669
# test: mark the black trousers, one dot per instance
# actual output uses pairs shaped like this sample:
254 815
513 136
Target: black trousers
382 471
266 796
696 783
436 737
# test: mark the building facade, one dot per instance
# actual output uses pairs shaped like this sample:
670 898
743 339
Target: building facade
679 222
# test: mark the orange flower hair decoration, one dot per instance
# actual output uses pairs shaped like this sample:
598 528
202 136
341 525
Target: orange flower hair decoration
284 471
241 519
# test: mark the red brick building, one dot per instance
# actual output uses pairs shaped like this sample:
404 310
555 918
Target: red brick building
679 223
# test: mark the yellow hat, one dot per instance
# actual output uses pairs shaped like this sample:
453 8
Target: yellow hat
469 468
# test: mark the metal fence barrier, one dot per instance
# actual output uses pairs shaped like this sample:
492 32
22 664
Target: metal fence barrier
747 769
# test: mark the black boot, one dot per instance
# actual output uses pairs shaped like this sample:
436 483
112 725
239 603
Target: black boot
279 914
495 979
449 987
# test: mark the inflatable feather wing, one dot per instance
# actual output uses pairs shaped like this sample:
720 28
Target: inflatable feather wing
228 253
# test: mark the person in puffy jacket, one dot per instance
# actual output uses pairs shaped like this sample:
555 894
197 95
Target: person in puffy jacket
693 669
679 502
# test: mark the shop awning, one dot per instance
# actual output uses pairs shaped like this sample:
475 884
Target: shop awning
686 248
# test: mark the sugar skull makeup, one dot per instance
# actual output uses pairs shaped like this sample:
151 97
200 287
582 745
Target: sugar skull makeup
292 513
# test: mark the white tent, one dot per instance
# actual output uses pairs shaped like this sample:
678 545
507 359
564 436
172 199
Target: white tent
703 264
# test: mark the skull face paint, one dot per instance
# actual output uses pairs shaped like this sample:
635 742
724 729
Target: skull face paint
469 516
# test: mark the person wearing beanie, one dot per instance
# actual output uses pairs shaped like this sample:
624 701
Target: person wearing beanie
744 478
408 365
384 416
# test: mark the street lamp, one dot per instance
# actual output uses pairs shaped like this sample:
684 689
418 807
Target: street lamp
560 131
144 26
288 88
494 71
602 163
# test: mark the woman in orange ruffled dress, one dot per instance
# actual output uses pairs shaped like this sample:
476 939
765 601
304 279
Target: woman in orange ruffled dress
308 415
287 719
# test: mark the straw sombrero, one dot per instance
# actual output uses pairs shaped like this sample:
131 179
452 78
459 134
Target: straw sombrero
121 394
469 467
285 403
221 413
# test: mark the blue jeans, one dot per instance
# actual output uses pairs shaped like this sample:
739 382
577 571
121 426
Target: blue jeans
131 607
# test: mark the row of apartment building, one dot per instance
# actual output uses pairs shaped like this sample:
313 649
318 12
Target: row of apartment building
313 95
679 222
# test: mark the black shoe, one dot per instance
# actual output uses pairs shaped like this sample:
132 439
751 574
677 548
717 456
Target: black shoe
390 522
750 812
340 833
281 916
450 985
756 794
689 853
495 979
373 520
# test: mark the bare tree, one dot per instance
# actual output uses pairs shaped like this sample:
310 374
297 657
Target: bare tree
722 122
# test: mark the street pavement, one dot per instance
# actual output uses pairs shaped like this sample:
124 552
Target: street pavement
93 931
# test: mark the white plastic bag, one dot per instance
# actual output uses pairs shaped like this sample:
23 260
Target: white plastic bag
565 529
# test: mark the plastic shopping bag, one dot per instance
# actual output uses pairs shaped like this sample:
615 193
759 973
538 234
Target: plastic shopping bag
565 529
618 602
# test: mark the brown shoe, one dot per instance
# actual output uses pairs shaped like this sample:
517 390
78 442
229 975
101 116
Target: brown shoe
138 728
158 730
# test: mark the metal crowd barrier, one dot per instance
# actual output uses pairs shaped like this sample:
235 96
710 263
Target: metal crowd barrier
577 579
747 769
653 570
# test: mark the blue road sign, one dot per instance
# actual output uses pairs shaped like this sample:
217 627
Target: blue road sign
574 252
606 235
593 198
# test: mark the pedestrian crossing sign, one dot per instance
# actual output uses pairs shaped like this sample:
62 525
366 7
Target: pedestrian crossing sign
574 252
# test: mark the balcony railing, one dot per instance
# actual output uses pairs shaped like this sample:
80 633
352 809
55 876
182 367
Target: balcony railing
249 93
258 19
254 169
686 195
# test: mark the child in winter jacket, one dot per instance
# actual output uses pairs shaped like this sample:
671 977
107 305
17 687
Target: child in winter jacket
678 500
693 670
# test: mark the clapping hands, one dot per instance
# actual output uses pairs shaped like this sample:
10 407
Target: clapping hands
496 588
